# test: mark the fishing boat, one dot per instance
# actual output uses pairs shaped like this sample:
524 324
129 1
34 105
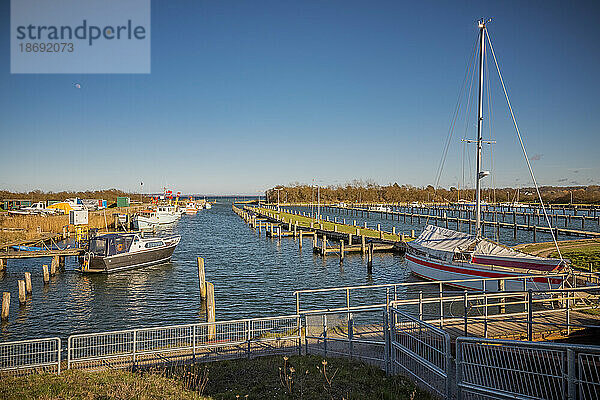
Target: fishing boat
115 252
445 255
149 219
190 208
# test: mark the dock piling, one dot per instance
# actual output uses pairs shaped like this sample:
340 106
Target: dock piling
46 273
210 309
201 278
5 305
22 295
2 264
28 282
370 259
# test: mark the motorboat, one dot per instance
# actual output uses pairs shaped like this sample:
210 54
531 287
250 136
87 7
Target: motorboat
115 252
190 208
380 208
149 219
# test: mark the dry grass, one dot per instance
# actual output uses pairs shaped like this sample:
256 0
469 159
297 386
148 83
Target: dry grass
20 227
95 385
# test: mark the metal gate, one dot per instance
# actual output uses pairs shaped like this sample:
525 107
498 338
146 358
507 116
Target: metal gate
25 357
420 351
508 369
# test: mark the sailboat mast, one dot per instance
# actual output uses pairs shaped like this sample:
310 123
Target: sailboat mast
479 174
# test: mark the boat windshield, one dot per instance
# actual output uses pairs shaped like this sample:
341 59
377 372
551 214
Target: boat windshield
98 246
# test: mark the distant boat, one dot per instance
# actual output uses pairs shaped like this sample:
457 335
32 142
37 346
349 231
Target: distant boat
207 205
191 209
149 219
115 252
380 208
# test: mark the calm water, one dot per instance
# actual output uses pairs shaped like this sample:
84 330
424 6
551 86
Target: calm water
253 276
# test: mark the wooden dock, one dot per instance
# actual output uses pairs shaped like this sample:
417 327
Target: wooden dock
351 238
440 216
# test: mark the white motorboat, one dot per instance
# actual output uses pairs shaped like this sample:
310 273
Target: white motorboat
445 255
149 219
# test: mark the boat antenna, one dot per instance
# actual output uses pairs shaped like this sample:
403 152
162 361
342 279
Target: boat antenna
524 151
480 174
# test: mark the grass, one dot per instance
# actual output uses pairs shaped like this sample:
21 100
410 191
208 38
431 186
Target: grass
305 222
581 252
275 377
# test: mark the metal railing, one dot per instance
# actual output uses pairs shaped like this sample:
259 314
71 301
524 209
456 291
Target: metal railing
508 369
25 357
359 335
377 296
194 342
420 351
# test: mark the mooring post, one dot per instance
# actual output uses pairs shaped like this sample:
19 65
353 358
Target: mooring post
28 282
5 305
300 241
210 309
534 233
22 295
362 244
2 264
46 273
341 249
324 241
54 265
201 278
412 233
349 239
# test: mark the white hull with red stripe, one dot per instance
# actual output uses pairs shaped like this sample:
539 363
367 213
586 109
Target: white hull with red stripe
438 270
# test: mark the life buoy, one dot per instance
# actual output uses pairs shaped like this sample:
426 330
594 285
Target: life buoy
120 247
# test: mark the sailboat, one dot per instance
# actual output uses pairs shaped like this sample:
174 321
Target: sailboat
446 255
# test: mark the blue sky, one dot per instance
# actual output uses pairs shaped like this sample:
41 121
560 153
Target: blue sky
244 95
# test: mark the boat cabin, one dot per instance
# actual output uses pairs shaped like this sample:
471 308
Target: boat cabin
111 244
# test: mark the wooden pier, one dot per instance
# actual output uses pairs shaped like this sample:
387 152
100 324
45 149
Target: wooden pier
351 238
440 216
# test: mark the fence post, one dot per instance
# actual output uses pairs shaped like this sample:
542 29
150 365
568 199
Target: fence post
387 338
59 354
571 383
569 312
350 334
449 379
458 370
441 306
465 306
134 346
529 316
421 305
248 338
194 342
325 334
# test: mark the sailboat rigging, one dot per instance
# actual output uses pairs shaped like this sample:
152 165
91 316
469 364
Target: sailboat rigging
446 255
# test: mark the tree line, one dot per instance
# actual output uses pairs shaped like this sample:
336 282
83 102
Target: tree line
371 192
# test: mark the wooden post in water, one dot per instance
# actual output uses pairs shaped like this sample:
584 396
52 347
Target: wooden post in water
324 241
412 233
341 250
210 309
5 305
300 241
22 295
28 282
349 239
54 265
2 264
362 244
534 233
201 278
393 230
296 229
46 273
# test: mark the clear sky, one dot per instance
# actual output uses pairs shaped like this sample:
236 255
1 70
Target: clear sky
244 95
